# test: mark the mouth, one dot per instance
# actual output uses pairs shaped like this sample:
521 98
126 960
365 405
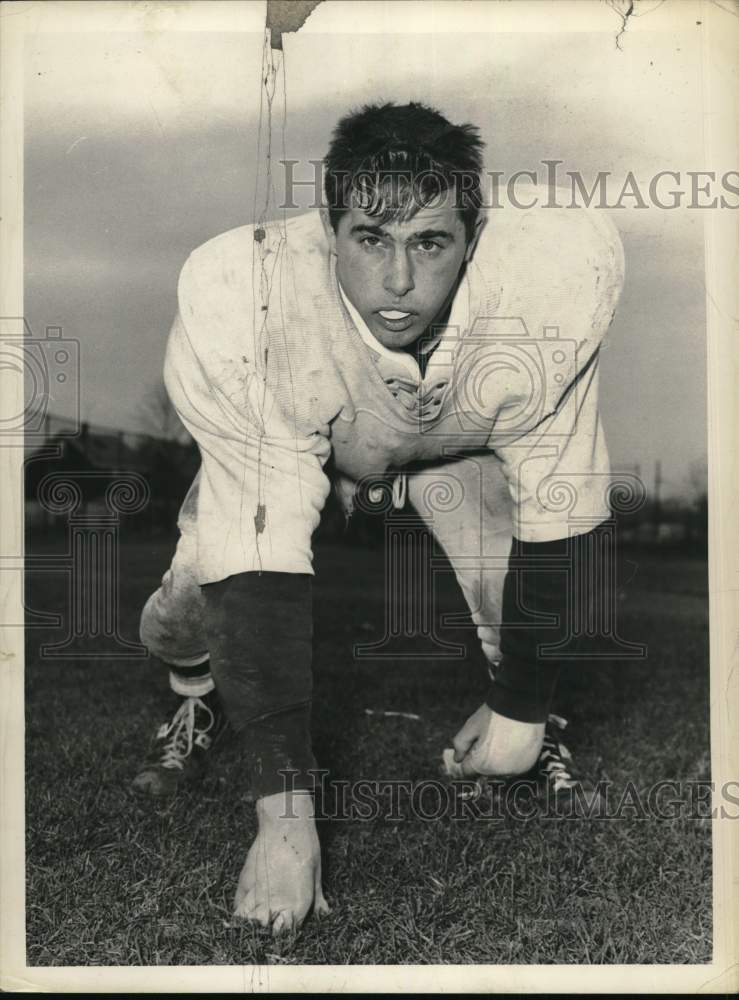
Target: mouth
393 314
396 319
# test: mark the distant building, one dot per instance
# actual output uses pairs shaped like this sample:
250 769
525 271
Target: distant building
167 466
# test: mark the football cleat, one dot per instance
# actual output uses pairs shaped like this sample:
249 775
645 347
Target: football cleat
556 776
181 746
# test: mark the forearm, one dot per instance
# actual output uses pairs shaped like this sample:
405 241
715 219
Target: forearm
259 628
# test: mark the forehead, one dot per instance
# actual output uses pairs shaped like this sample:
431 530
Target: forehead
438 215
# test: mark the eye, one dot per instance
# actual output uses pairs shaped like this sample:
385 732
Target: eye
429 246
371 241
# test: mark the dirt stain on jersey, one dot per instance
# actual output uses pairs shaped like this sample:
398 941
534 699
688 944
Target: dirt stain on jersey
260 518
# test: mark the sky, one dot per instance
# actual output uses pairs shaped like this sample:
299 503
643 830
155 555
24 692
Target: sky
139 146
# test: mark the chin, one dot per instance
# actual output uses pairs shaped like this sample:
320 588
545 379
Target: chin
398 341
394 341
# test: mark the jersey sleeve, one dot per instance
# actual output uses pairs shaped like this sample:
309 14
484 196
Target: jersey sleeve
262 485
565 274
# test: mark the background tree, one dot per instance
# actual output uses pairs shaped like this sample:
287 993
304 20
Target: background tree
169 455
159 417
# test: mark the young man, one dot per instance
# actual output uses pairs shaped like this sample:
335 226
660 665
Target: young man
399 331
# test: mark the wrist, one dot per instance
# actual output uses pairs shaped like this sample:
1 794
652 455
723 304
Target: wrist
293 804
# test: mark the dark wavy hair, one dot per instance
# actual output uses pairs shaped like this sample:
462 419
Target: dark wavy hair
390 160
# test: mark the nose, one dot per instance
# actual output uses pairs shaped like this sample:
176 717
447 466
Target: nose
399 274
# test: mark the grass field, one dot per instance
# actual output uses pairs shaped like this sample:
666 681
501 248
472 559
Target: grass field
114 880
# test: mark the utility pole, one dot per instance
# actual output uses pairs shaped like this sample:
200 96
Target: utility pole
657 496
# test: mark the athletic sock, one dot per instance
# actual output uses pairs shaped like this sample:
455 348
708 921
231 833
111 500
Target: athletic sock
191 682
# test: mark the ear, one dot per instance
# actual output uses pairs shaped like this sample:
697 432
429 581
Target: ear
479 226
328 230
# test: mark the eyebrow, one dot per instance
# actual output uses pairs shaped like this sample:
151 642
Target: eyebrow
425 234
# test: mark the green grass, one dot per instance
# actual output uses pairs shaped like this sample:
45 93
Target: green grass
114 880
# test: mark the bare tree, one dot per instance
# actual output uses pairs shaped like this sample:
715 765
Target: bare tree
159 417
696 482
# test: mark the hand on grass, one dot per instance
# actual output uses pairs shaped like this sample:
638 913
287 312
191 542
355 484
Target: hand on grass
473 731
493 745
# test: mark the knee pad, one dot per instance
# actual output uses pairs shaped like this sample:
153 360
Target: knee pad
171 625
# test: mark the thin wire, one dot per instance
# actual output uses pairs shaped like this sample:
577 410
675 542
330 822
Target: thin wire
261 341
287 271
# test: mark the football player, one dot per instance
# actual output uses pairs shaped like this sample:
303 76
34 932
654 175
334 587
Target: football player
402 330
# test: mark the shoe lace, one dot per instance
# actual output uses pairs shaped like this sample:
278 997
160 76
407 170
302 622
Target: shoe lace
181 733
553 756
